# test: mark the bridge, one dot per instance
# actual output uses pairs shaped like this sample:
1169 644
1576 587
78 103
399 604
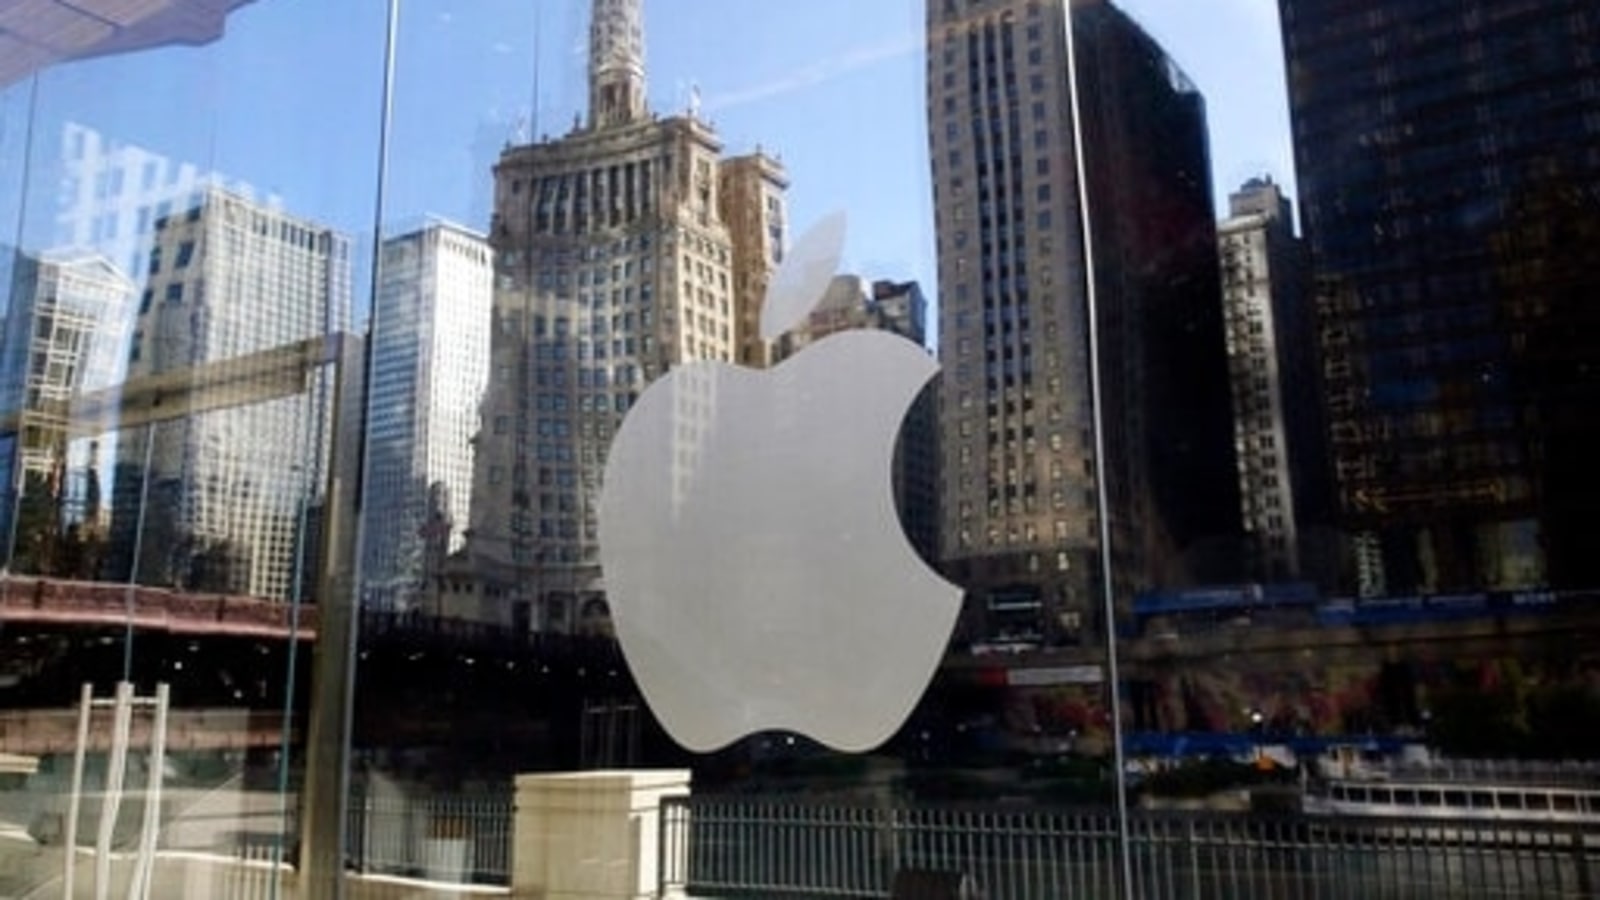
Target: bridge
41 732
433 682
423 680
50 601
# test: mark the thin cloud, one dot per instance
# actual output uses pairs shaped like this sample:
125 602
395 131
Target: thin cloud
819 72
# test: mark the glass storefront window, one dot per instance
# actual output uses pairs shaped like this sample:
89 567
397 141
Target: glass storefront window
1037 447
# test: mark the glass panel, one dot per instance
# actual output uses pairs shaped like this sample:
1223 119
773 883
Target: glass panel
1015 402
184 197
1374 369
1232 417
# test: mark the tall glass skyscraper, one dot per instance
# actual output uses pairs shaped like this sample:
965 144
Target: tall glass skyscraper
1449 163
238 300
430 346
64 336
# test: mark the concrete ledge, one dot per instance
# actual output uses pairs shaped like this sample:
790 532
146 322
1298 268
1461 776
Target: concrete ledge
590 835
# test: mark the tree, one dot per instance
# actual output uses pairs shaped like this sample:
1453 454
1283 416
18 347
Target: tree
49 541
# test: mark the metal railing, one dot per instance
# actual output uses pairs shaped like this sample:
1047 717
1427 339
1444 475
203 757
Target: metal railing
746 847
1572 773
459 839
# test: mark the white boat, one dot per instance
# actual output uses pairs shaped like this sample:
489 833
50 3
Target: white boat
1463 791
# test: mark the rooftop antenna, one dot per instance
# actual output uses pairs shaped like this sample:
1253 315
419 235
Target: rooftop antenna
538 45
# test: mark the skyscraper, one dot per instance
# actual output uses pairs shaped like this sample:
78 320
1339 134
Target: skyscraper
233 482
1018 269
109 194
64 336
616 258
430 344
752 202
1451 188
1272 360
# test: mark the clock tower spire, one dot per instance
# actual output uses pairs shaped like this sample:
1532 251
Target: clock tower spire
616 63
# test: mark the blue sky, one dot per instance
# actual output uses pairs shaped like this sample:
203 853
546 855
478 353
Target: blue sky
288 100
832 86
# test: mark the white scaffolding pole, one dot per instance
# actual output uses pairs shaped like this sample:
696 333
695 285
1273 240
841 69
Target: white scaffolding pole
139 888
75 797
111 801
122 706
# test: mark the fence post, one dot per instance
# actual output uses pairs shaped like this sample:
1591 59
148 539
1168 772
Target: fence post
664 832
672 841
885 844
1194 858
1580 859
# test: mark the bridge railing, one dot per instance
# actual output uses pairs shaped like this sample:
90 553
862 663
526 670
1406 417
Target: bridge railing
47 731
52 600
460 838
761 847
25 598
418 624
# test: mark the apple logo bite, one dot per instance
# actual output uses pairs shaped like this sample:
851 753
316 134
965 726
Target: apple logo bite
756 569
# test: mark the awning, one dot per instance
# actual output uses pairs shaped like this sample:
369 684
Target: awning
37 33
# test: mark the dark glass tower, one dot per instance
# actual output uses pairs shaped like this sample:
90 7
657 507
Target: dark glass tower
1449 162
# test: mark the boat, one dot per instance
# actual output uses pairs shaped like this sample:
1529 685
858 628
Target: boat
1462 791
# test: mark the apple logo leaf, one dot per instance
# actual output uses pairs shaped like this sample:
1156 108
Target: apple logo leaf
802 280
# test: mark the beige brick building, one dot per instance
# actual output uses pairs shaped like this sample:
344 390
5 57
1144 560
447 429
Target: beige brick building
624 248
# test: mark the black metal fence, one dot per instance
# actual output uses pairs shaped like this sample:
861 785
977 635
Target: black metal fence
747 847
453 839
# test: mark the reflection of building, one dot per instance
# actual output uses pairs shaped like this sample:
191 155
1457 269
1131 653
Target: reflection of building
1020 523
1271 355
753 212
614 262
851 303
63 337
1451 193
110 195
430 346
231 485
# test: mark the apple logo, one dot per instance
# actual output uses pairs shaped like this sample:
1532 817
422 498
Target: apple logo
757 572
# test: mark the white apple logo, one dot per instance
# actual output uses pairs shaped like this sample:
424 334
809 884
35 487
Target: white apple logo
756 569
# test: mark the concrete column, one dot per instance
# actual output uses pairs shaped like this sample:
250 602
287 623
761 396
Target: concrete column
590 835
325 797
